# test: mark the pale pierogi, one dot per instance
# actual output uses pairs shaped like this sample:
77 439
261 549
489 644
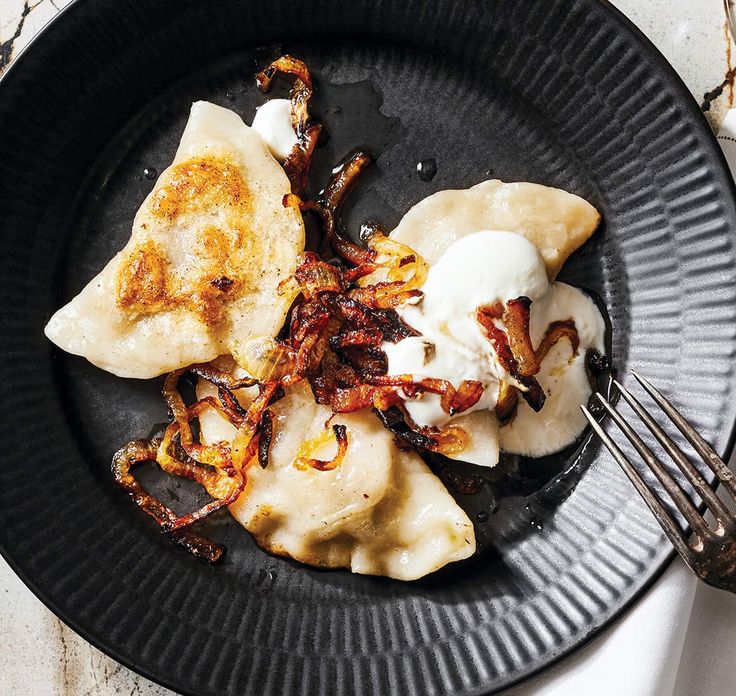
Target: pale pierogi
453 326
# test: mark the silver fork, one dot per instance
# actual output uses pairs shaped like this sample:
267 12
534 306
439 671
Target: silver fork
710 551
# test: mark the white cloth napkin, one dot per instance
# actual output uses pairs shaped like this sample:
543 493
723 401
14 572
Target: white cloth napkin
678 640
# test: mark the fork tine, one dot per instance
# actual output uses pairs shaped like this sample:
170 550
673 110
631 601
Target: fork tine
669 526
701 486
724 474
693 517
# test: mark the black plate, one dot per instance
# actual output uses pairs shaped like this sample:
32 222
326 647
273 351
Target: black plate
563 92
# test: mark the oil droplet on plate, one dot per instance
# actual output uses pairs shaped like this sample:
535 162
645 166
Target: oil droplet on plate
150 173
265 579
427 168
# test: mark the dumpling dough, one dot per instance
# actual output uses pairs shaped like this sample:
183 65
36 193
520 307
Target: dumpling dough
555 221
199 276
380 512
483 448
564 378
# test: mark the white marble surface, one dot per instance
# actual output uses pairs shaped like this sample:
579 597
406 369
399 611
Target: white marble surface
40 656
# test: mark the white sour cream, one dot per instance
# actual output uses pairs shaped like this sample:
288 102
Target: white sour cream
481 269
273 123
563 378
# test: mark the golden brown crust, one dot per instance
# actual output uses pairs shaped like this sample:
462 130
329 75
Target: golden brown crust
307 558
201 183
143 279
264 541
193 191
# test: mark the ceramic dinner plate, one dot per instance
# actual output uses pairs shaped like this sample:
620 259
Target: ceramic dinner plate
562 92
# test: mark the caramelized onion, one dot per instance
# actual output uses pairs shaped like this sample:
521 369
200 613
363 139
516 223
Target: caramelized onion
397 421
312 337
349 399
459 482
486 317
265 437
208 465
245 443
515 352
342 311
232 410
140 451
340 316
223 483
400 263
556 331
377 296
301 91
220 378
516 320
342 179
386 320
358 337
244 446
346 250
534 394
453 400
212 455
508 398
331 200
448 441
314 275
266 359
178 453
352 275
299 160
330 203
304 458
366 361
466 395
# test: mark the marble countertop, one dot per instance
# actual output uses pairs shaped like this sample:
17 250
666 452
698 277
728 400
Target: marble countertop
39 655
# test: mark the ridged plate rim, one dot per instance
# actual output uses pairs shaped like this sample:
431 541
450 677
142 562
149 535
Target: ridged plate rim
688 103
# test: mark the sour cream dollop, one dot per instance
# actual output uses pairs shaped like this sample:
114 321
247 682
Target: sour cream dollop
480 269
273 123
